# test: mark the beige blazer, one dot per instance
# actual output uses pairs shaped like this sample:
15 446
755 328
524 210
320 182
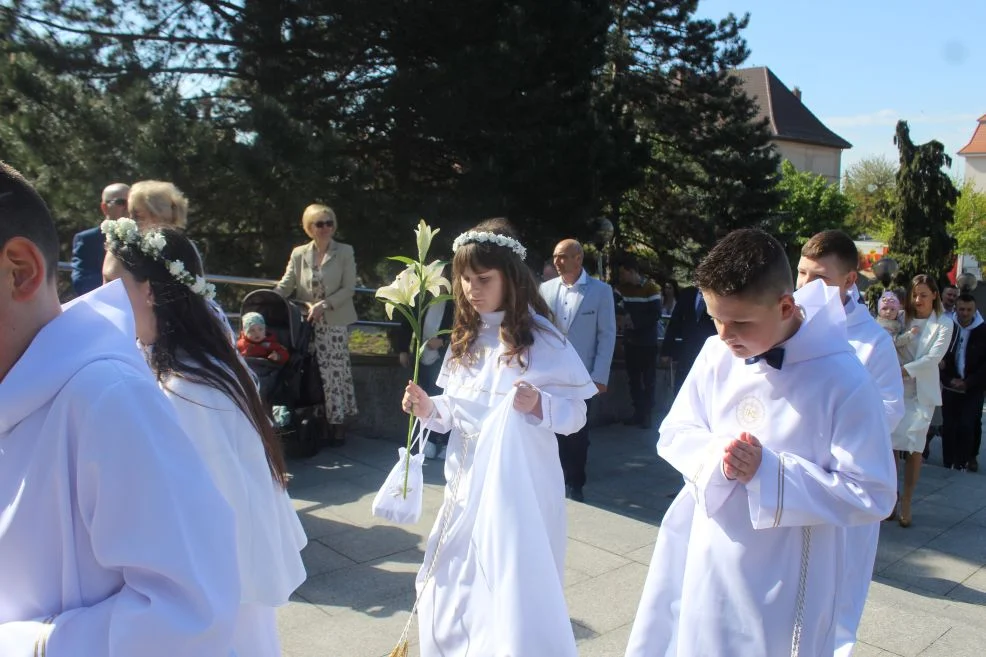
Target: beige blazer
338 277
932 345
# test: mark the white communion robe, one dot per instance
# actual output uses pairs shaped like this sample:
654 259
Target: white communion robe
754 569
875 349
497 586
113 537
269 536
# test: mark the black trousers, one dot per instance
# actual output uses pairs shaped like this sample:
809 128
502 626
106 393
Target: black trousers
641 364
573 452
961 419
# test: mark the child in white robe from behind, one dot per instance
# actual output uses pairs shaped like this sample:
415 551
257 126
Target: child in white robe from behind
219 407
113 538
778 435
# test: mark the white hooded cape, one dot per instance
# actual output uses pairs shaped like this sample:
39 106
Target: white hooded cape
875 350
737 568
110 527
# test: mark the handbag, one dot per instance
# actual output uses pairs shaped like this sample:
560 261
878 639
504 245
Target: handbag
390 502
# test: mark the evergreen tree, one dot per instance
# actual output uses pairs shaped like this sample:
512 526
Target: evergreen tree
924 209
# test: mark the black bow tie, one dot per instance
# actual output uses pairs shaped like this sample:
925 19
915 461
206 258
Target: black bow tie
773 357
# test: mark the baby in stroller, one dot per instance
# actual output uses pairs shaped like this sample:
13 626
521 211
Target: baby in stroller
289 383
257 342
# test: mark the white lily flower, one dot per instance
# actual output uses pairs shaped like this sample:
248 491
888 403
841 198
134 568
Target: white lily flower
402 291
424 235
434 282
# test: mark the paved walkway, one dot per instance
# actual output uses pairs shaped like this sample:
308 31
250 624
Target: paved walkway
926 599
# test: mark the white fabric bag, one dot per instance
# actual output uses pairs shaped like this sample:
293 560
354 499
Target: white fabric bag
390 502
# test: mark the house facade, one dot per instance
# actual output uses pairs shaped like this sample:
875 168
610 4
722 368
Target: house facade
974 154
796 133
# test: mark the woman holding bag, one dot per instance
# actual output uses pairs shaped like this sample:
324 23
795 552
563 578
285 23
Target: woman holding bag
492 578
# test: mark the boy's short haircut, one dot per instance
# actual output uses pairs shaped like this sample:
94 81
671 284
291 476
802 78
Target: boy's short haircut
833 243
965 297
746 263
24 214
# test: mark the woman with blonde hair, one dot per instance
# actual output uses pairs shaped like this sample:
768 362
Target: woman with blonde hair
322 274
922 389
158 203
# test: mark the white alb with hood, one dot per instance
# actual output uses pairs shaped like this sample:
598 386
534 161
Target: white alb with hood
875 350
113 539
754 569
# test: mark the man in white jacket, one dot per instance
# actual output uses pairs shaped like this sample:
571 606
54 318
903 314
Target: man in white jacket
113 539
832 257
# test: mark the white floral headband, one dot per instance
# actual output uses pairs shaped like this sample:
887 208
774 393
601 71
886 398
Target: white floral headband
125 232
482 237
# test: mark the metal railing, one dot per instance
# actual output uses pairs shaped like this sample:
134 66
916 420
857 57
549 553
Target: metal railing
246 281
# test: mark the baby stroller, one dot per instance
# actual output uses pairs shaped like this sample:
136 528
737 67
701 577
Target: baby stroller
292 390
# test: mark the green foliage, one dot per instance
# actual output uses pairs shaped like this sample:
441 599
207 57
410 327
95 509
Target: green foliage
810 205
704 164
551 112
969 228
924 209
871 186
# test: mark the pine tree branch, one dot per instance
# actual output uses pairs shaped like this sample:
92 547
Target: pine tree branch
125 36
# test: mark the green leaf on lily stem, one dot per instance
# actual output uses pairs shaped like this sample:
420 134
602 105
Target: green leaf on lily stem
404 259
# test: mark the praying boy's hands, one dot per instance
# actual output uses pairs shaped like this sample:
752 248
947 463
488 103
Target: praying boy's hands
741 458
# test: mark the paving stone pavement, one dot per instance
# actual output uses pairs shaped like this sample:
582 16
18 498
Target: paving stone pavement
927 596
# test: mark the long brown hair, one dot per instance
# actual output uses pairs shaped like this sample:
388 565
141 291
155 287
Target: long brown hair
929 282
191 341
520 294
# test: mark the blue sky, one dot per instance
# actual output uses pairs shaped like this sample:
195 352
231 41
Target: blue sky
863 64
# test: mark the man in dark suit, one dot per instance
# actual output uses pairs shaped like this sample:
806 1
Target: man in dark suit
688 329
87 246
963 379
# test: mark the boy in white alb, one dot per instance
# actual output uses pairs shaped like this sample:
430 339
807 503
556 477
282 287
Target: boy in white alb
773 431
113 539
831 256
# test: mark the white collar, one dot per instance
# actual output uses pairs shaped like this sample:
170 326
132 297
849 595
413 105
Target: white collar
581 280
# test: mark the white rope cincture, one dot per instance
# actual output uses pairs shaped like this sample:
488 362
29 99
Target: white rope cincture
448 506
799 616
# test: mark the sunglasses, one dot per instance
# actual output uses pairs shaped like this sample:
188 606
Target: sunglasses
323 224
116 201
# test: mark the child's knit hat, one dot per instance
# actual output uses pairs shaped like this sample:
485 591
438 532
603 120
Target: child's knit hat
888 300
252 319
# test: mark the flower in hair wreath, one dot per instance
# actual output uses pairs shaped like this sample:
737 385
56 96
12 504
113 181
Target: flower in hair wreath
124 232
486 237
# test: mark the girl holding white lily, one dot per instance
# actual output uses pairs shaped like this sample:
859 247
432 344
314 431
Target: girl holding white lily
492 578
200 372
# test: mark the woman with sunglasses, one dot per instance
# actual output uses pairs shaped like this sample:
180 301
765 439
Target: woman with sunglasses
322 274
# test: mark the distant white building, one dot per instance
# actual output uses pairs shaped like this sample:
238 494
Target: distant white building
975 156
797 134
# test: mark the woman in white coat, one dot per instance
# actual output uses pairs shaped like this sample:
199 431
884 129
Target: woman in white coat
218 405
922 391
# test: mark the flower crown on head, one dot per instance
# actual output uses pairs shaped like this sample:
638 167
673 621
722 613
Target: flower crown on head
484 237
125 232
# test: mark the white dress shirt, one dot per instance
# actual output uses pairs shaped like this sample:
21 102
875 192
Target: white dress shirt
566 302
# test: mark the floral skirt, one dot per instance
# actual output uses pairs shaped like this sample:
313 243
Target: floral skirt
331 347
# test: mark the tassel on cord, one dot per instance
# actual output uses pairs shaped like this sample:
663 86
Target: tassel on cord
400 650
